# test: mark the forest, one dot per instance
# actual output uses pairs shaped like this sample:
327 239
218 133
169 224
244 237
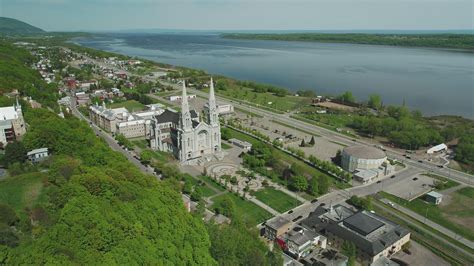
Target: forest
454 41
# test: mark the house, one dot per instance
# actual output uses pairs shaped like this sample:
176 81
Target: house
276 227
434 197
37 155
438 148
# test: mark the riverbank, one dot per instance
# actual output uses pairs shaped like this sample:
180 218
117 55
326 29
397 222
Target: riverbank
463 42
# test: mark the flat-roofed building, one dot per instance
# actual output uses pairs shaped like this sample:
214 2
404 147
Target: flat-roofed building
374 236
241 144
38 155
434 197
277 227
12 125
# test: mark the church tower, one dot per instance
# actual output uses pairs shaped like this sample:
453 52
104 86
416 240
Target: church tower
213 119
185 132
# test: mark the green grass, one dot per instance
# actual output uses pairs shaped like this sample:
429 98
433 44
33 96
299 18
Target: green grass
447 183
207 191
211 182
276 199
467 191
22 191
130 105
245 209
309 170
140 143
448 216
226 146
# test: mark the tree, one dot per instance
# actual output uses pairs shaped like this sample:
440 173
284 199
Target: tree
146 156
302 143
323 184
375 101
349 249
226 134
14 152
8 215
347 97
226 207
313 188
312 141
196 194
299 183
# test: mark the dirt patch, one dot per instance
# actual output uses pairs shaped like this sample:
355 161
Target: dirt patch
32 193
338 106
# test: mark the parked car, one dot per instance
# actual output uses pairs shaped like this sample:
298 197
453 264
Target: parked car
315 200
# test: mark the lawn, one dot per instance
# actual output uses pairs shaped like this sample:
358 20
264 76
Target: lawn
245 209
276 199
309 170
457 216
140 143
23 190
130 105
211 182
225 146
265 100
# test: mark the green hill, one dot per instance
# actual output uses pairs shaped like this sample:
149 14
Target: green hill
14 26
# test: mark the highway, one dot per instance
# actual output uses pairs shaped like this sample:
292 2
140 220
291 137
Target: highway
458 176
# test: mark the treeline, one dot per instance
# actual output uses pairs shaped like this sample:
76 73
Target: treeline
457 41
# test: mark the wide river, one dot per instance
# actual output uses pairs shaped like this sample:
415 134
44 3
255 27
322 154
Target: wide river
434 81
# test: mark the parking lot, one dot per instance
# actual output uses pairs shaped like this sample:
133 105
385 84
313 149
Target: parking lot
412 187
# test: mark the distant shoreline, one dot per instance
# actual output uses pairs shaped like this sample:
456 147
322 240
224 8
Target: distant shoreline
453 42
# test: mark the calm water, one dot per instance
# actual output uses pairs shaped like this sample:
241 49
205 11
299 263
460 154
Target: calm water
431 80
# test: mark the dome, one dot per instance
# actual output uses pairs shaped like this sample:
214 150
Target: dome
364 152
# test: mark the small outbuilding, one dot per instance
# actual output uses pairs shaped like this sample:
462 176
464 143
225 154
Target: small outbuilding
38 155
434 197
438 148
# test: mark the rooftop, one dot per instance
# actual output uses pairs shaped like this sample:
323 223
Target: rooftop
277 222
365 152
434 194
362 223
35 151
8 113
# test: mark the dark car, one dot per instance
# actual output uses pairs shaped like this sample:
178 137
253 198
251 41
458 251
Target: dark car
378 182
322 204
420 161
416 178
315 200
393 176
291 211
297 218
441 166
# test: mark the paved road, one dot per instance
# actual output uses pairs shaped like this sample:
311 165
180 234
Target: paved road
432 224
110 141
335 136
440 238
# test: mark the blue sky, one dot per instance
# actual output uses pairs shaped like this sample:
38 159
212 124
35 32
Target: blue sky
242 14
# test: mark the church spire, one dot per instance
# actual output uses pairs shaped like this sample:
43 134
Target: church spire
213 115
185 114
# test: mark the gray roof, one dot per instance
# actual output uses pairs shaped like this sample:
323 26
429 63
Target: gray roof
277 222
173 117
35 151
364 152
434 194
300 238
362 223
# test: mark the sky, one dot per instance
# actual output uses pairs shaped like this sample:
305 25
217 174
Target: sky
94 15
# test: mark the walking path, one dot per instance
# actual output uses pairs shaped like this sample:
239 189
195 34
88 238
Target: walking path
264 206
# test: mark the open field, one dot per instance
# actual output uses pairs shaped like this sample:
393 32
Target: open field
269 100
211 183
23 190
457 216
276 199
246 209
140 143
131 105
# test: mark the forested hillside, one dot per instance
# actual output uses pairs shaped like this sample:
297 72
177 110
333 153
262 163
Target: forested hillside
14 26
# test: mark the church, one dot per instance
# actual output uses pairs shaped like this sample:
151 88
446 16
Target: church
185 134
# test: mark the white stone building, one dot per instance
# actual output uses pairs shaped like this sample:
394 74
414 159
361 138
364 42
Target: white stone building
12 123
184 134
